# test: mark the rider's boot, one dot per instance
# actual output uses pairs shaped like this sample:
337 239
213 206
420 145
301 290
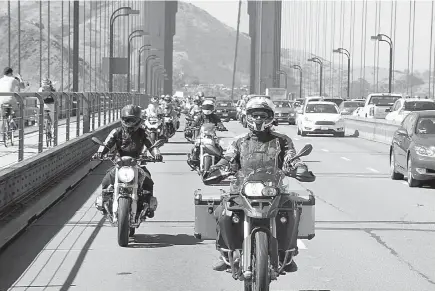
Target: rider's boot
220 265
103 197
152 204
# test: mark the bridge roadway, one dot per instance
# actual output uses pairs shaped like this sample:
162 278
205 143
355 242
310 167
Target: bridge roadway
372 233
9 155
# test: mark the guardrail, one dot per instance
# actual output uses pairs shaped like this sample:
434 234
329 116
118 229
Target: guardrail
70 112
379 130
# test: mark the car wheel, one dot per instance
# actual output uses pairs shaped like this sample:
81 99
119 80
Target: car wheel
411 181
393 173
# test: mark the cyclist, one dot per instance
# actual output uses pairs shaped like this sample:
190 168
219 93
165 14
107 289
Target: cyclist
48 125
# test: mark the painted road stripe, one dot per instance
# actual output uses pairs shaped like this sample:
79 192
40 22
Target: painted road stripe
295 138
373 170
325 150
346 159
301 245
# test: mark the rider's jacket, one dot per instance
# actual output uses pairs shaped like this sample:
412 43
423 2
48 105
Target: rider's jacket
153 110
126 144
211 118
265 149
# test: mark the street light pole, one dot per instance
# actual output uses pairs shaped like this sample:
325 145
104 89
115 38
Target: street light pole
128 11
149 58
347 53
380 37
285 75
138 32
318 61
297 67
141 50
152 88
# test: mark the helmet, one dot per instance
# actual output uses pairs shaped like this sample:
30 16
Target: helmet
260 112
168 99
200 94
197 100
207 107
131 117
154 99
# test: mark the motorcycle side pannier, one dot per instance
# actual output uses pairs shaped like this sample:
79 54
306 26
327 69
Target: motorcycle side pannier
306 228
205 205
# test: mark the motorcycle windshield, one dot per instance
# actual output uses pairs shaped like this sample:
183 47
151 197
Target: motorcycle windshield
269 176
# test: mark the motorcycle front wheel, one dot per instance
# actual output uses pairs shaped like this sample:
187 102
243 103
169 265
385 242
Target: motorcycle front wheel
123 221
260 265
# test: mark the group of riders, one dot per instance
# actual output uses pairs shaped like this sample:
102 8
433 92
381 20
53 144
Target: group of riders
269 147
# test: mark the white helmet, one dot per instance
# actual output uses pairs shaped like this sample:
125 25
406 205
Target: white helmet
207 107
260 112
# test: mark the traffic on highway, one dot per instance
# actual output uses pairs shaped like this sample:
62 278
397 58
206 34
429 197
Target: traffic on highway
293 212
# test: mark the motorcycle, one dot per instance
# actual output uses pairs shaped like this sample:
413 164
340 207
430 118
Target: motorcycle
121 204
154 127
190 132
208 137
260 243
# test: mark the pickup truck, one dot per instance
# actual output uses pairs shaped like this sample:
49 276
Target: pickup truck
378 105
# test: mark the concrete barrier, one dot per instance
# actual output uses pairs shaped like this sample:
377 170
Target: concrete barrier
32 176
379 130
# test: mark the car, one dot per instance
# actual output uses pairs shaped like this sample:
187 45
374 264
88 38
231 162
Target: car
348 107
284 112
412 150
378 105
403 107
320 117
337 101
226 109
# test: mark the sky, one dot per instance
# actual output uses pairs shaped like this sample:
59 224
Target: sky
297 25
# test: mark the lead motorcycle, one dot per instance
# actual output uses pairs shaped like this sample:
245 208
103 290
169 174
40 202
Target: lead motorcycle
263 204
120 200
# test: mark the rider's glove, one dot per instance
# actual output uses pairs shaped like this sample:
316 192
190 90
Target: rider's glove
300 168
158 157
97 156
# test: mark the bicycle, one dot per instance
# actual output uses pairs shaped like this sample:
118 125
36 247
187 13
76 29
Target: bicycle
48 133
7 128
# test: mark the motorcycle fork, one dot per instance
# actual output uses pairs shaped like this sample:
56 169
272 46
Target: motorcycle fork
249 235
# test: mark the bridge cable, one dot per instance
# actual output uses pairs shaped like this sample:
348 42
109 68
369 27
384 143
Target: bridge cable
377 44
413 40
409 47
430 48
394 47
235 53
365 47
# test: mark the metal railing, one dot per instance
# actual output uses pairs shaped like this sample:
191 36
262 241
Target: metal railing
79 112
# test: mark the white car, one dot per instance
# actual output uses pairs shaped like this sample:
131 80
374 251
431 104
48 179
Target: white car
320 117
403 107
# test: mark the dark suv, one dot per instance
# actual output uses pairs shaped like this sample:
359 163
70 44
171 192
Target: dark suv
226 110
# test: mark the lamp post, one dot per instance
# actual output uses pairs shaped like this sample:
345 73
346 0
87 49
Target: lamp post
149 58
141 50
157 73
127 12
347 53
387 39
152 89
136 33
318 61
285 75
297 67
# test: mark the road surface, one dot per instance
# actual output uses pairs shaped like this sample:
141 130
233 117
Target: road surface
372 233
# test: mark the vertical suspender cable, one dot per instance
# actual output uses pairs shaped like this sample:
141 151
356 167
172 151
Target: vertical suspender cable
333 45
235 53
352 45
9 33
394 47
412 53
40 42
90 46
377 43
430 49
61 47
362 50
409 46
365 47
69 47
48 39
19 36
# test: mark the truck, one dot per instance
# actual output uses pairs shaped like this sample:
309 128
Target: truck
277 94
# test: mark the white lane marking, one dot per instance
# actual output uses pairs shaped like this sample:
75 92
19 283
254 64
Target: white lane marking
373 170
295 138
301 245
346 159
325 150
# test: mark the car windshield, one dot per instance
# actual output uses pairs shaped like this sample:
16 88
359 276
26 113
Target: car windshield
353 104
419 105
270 176
425 125
383 100
282 104
321 108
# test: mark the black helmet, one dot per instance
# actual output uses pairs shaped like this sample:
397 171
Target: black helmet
131 117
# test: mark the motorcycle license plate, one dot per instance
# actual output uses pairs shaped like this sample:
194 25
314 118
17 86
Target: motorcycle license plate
225 114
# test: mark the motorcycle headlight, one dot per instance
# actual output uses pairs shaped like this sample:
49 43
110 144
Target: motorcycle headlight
126 174
258 189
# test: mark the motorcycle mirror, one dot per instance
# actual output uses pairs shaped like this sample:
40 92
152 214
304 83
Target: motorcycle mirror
212 150
97 141
305 151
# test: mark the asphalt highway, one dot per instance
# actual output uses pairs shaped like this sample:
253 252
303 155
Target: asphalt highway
372 233
9 155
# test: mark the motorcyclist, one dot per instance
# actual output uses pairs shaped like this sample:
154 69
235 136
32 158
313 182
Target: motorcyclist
197 102
168 110
129 140
275 149
207 116
153 108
